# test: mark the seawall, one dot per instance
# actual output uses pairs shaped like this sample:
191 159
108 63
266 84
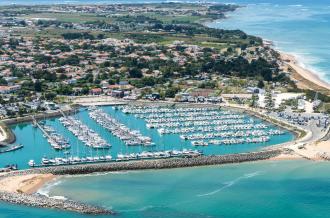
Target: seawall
153 164
45 202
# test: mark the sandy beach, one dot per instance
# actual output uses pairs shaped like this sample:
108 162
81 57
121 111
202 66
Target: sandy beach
314 151
28 184
306 79
3 134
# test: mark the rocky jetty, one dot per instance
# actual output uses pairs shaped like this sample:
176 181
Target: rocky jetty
45 202
155 164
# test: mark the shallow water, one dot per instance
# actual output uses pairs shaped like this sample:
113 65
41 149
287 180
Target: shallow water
268 189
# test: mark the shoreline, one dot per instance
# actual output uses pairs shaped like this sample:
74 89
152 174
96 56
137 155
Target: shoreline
305 78
27 184
7 135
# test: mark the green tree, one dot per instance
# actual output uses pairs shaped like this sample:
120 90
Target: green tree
37 86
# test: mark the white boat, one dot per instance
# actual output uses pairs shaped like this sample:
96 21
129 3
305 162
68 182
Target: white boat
32 163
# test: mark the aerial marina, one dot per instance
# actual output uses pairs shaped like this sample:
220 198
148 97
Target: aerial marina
88 136
121 131
106 134
57 141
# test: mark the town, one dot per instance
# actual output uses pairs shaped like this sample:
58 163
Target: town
107 55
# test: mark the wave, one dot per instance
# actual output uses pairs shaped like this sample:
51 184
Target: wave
139 209
45 190
309 62
231 183
99 174
58 197
295 5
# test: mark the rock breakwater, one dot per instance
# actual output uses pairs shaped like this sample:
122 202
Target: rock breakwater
155 164
45 202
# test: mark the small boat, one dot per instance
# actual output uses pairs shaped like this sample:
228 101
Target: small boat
32 163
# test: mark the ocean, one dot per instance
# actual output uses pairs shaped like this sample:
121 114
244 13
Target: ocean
263 189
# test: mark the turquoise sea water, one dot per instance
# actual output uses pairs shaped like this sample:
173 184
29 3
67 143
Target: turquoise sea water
263 189
36 146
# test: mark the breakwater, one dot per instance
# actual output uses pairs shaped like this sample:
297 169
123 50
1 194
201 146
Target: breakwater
45 202
153 164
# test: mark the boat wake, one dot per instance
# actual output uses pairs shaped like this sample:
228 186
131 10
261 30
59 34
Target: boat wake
231 183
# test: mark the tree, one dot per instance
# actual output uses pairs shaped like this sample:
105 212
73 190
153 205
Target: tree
135 73
254 102
171 91
50 96
269 101
261 84
37 86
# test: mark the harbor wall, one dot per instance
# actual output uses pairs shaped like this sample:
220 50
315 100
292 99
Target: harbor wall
153 164
46 202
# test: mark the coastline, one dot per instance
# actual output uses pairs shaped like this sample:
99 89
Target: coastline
305 78
31 183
